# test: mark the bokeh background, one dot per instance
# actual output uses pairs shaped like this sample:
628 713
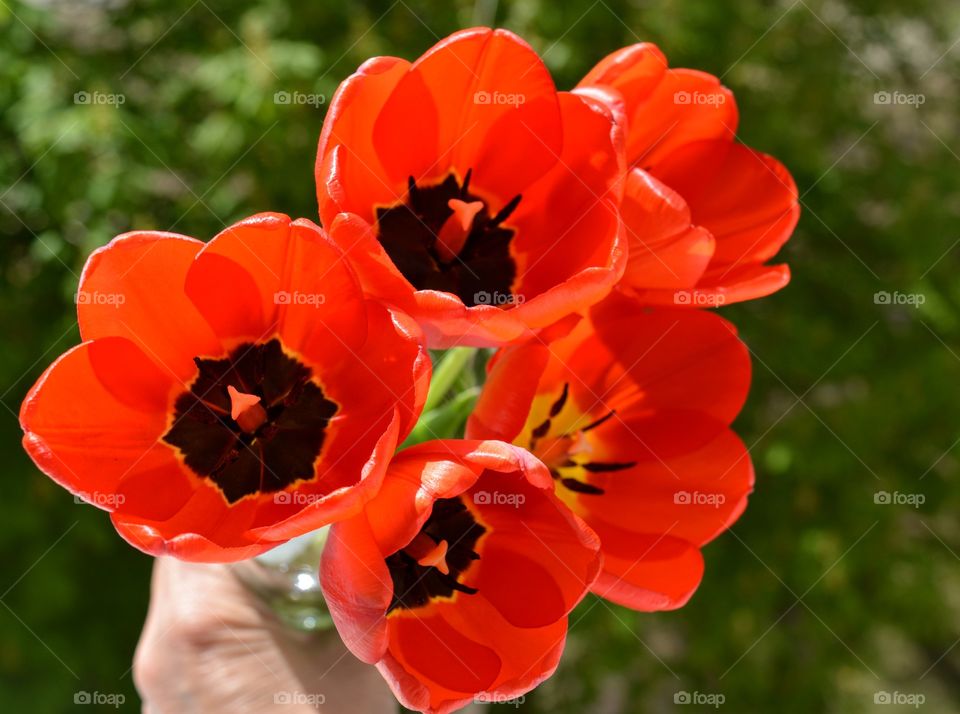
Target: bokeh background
821 598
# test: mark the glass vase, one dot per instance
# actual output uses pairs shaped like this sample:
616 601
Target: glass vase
287 580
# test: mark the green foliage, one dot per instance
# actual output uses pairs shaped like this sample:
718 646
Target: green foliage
849 398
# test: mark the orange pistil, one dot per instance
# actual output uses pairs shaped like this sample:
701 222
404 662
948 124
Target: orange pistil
457 227
245 409
428 553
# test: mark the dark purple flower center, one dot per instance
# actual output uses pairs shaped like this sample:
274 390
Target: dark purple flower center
253 422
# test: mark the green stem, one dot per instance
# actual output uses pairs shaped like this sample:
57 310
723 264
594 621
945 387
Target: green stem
445 374
447 421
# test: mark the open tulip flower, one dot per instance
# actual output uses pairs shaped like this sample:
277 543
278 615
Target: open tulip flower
703 212
228 396
475 196
456 580
631 414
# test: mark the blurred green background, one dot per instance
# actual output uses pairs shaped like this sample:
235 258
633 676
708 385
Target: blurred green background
819 598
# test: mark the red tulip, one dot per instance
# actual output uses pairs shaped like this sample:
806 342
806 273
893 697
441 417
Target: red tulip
228 396
477 198
703 213
631 413
456 580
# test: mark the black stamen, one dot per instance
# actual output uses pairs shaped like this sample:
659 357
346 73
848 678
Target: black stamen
465 188
581 487
541 431
460 587
506 210
598 467
558 405
601 420
544 428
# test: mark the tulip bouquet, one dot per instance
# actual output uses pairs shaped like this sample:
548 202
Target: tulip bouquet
229 396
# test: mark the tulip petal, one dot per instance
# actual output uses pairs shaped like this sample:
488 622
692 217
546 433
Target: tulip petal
304 288
746 199
348 127
538 559
647 573
568 221
447 112
97 414
666 251
513 375
528 655
392 368
685 106
633 71
189 547
432 648
665 360
736 283
357 587
133 288
693 496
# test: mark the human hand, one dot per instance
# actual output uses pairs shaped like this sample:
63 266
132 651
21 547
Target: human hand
210 646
